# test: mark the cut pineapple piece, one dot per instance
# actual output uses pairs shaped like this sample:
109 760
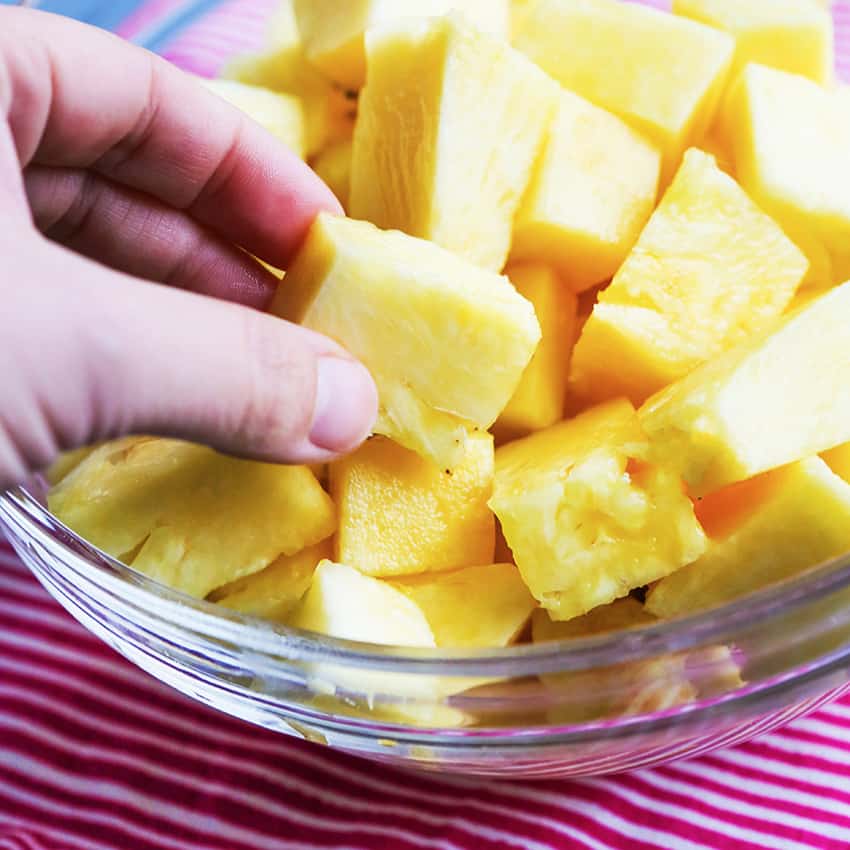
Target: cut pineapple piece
333 34
839 460
792 35
196 519
662 74
592 192
801 518
791 143
333 165
400 514
282 28
448 130
625 613
520 10
586 517
66 462
539 399
280 114
428 326
709 270
782 397
275 591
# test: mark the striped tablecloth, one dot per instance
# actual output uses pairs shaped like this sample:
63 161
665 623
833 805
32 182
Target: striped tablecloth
95 755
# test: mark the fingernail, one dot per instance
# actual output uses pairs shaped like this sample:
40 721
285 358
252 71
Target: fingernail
346 405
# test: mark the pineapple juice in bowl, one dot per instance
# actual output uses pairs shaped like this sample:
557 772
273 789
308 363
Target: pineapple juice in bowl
633 583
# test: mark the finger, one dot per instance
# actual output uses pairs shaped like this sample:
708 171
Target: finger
143 237
97 354
79 97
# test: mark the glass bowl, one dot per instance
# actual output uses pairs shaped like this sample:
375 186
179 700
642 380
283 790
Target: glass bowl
573 708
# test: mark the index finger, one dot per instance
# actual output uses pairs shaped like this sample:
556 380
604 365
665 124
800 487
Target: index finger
76 96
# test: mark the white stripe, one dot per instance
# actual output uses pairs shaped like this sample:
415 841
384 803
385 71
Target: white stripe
26 586
837 709
778 767
59 835
805 748
818 725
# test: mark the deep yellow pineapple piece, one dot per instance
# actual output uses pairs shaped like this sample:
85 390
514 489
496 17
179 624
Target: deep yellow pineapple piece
333 33
800 518
187 516
791 144
592 192
333 165
400 514
539 399
275 591
782 397
280 114
446 341
792 35
709 270
839 460
448 129
625 613
662 74
66 462
586 517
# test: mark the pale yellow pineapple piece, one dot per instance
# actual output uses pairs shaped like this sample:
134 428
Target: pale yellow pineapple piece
792 35
800 518
428 325
662 74
282 30
66 462
333 32
782 397
187 516
520 10
791 143
593 189
274 592
280 114
399 514
333 165
449 126
586 517
709 270
539 399
625 613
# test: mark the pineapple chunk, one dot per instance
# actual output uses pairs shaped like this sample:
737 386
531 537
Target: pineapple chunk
591 194
449 126
586 517
801 518
839 460
280 114
662 74
187 516
520 10
282 28
333 165
333 33
782 397
625 613
539 399
709 270
67 462
399 514
792 35
426 324
791 143
275 591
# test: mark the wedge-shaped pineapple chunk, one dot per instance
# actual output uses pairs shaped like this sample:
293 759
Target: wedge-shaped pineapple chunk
625 613
446 341
275 591
592 192
333 165
586 517
333 33
662 74
839 460
280 114
187 516
792 35
782 397
791 144
399 514
539 399
800 517
709 271
449 126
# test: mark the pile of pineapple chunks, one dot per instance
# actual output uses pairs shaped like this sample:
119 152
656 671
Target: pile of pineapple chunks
595 260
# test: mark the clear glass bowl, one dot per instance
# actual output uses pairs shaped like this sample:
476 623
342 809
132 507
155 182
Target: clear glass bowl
591 706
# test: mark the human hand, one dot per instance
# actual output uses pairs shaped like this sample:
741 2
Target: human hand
124 305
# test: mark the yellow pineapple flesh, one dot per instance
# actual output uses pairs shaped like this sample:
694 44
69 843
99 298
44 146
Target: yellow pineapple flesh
709 271
625 613
449 126
587 518
333 165
427 324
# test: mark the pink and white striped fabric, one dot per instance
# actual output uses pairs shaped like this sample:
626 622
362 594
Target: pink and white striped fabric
96 755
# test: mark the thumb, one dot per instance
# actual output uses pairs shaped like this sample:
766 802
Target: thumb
87 353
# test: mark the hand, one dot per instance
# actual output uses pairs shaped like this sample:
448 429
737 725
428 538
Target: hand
119 173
